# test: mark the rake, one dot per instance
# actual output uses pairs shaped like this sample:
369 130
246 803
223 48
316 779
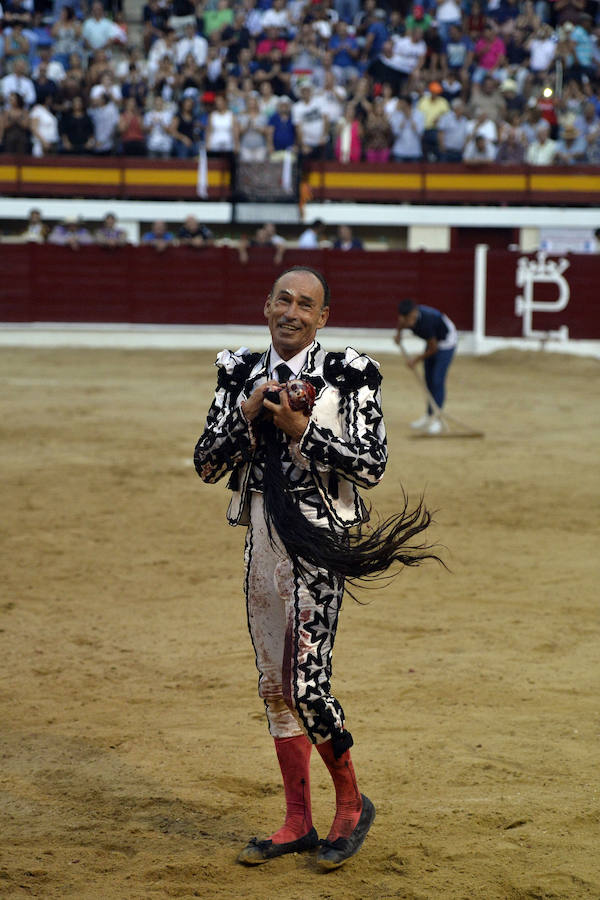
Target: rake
451 427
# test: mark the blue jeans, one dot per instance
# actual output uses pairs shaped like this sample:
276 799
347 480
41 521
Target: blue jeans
436 367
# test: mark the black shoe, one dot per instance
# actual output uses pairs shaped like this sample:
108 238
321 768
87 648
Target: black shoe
335 853
257 852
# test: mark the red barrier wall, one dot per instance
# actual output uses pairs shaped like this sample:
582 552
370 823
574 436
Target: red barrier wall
210 286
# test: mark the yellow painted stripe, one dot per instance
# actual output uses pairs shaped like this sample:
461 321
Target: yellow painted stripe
67 175
8 173
449 182
579 183
374 180
166 177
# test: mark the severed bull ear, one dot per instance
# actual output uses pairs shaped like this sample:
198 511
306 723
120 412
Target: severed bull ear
301 395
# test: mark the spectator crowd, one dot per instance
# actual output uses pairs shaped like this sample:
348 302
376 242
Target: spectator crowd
478 81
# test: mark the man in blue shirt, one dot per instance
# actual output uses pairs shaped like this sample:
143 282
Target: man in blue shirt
440 335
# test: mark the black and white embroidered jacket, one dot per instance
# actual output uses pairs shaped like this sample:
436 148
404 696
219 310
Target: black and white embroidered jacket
343 448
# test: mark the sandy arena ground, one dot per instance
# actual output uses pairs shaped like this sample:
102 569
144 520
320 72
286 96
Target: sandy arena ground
135 756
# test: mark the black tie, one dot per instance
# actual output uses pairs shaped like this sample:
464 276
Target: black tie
284 373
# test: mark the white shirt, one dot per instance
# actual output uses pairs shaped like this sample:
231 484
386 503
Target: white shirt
407 53
46 124
309 116
308 240
157 121
541 154
19 84
296 363
197 46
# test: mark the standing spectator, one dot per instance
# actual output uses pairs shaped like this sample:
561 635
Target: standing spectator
408 125
16 45
453 132
98 31
274 68
448 13
584 45
164 47
312 126
283 130
70 233
345 239
193 234
184 130
157 125
312 236
18 82
109 234
105 117
15 134
214 21
378 136
433 105
348 142
386 69
222 131
52 68
542 50
543 150
44 128
487 99
131 129
571 147
158 237
76 129
254 137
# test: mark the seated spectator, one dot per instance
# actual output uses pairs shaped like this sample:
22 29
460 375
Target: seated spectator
346 53
587 121
52 69
109 234
311 237
157 125
273 39
448 13
408 124
475 21
184 130
76 128
214 76
487 99
583 42
489 55
135 86
191 43
433 105
348 141
105 117
454 128
158 237
275 69
155 16
283 130
70 233
511 151
132 133
267 100
183 13
193 234
345 239
457 56
66 36
278 17
44 128
254 136
18 82
36 231
479 150
571 147
418 18
16 45
235 38
378 136
15 132
164 48
543 150
264 236
98 31
214 21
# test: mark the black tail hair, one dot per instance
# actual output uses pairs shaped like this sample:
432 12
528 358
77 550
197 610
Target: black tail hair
354 556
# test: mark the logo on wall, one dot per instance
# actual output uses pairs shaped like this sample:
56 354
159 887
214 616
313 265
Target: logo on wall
541 271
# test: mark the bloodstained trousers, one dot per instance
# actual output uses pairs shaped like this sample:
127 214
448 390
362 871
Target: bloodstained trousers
292 621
